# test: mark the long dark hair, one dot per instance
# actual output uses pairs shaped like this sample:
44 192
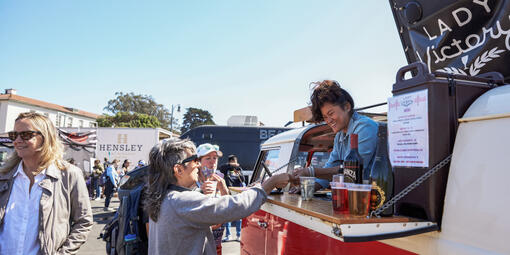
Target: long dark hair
126 161
162 159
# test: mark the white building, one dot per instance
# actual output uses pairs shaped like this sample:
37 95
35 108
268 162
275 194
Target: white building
11 105
244 120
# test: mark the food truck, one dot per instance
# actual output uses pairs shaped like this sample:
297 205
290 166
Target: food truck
447 141
472 220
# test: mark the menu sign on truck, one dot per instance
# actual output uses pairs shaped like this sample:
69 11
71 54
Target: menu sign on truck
408 134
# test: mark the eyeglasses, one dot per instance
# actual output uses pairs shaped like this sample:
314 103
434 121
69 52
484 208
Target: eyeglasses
25 135
191 158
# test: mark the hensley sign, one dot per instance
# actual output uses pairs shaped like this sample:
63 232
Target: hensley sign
120 147
125 143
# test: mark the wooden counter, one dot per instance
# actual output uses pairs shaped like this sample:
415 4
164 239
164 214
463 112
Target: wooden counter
323 209
318 214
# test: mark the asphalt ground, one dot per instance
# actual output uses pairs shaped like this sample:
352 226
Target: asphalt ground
95 246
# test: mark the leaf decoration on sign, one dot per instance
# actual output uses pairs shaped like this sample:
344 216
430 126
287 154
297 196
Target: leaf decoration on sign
464 61
452 70
486 57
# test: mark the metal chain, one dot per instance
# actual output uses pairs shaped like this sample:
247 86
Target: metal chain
411 187
284 165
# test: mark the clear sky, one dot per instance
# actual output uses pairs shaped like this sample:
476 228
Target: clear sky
227 57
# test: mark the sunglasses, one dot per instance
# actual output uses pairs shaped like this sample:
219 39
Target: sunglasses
25 135
191 158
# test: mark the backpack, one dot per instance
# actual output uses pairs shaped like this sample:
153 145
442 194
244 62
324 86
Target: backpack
109 234
123 234
102 178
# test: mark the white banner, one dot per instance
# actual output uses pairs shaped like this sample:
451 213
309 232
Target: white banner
408 129
125 143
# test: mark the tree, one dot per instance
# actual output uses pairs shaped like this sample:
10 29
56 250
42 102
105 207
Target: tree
126 119
195 117
144 104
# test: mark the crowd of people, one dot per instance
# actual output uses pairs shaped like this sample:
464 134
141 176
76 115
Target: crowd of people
188 219
45 203
105 177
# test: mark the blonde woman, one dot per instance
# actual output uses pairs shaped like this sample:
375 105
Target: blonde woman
44 202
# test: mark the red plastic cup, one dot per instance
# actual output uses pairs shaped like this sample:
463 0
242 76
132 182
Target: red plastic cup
340 197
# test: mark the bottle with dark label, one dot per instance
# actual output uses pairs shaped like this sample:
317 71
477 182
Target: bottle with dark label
353 163
381 175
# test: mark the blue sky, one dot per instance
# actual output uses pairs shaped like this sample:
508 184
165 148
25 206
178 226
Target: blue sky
227 57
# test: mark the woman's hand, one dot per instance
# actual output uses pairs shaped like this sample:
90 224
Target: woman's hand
221 185
297 173
209 187
294 190
276 181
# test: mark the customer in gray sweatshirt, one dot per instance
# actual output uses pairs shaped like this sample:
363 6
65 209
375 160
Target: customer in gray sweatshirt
180 218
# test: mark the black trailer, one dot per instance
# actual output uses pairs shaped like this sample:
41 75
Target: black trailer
242 141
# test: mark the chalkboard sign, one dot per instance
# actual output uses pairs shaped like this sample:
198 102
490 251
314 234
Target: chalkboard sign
460 37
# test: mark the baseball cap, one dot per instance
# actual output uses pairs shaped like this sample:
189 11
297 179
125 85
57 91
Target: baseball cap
206 148
141 162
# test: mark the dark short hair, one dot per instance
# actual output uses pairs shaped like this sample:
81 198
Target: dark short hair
329 91
232 157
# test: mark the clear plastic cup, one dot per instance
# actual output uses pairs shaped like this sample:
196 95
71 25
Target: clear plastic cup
338 178
307 185
359 198
340 197
211 185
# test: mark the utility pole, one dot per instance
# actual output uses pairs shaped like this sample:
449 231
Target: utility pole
178 106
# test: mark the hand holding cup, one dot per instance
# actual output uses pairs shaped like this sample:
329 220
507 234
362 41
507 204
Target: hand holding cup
221 185
209 187
276 181
298 172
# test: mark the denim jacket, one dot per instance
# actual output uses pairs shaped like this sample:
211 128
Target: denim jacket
113 175
65 217
366 129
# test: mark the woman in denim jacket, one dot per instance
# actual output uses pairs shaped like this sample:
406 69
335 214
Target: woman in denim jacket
335 106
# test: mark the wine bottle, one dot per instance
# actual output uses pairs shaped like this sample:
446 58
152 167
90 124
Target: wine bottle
381 174
353 163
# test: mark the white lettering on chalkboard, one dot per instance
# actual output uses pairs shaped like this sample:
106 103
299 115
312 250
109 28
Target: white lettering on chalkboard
458 46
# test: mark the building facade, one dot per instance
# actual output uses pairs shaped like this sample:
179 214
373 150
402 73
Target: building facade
11 105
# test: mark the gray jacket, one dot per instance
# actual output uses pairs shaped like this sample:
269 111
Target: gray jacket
185 220
65 217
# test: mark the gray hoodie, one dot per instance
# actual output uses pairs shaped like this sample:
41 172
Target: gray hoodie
186 217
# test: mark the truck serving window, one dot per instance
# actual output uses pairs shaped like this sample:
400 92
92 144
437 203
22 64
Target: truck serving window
319 158
268 158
